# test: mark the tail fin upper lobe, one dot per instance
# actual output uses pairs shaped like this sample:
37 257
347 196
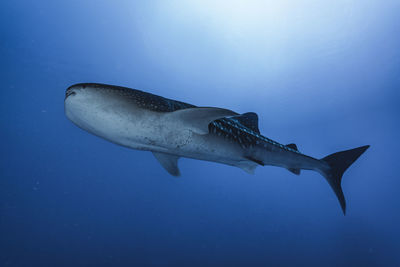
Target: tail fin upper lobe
339 162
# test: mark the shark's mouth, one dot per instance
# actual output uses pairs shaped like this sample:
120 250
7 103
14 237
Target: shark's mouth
68 93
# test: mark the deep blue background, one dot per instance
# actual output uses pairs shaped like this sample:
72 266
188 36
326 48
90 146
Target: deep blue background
320 74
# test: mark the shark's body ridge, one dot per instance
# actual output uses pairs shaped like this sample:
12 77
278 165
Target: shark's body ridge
172 129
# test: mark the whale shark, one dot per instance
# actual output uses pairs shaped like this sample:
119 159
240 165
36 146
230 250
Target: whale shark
171 129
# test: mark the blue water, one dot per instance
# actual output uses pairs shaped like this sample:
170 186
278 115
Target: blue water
321 74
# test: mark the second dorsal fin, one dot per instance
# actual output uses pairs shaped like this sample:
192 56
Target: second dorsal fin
249 119
292 146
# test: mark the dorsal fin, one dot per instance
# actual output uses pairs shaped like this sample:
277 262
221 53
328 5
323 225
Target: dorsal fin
292 146
249 119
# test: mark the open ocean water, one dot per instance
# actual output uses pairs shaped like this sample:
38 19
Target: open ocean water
322 74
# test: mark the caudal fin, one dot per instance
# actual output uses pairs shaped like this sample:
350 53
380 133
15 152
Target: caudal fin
339 162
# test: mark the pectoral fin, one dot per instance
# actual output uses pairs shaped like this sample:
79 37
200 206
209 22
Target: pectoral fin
197 119
169 162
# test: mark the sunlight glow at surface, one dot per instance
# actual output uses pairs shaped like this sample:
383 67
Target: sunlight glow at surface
242 17
263 48
268 27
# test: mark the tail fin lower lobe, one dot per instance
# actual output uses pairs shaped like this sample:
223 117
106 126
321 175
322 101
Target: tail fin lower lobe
339 162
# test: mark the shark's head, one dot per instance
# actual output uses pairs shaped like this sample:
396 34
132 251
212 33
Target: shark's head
94 107
82 98
91 106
